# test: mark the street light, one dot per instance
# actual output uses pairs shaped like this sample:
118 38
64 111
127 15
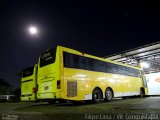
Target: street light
145 64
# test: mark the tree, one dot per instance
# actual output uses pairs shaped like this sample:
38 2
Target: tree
5 87
17 93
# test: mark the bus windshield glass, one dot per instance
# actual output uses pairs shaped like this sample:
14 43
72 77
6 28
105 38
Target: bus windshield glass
48 57
27 72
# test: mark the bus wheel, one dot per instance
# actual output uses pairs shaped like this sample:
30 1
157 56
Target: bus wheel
141 93
96 95
108 95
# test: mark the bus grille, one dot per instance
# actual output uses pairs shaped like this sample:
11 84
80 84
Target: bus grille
71 89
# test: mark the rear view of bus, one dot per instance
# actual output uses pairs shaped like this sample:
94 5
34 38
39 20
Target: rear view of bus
29 84
48 76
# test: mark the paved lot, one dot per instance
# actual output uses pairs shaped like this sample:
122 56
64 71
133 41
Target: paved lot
130 109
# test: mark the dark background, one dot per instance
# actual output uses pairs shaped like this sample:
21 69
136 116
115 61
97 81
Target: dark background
95 27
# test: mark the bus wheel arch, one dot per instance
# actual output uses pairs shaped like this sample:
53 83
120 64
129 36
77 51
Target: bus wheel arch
97 95
142 92
109 94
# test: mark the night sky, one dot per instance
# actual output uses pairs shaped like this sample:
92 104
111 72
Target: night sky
96 27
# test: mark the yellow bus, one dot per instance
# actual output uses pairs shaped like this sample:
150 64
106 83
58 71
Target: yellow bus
29 84
64 73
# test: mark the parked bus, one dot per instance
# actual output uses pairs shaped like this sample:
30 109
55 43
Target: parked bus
29 84
68 74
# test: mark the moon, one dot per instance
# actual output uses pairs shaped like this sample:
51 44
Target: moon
33 30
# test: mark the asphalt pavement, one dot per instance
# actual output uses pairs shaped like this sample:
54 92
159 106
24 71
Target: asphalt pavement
147 108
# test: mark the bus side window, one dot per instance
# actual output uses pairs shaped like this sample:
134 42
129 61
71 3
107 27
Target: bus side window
90 63
68 60
71 60
111 68
99 66
123 70
82 62
108 67
65 59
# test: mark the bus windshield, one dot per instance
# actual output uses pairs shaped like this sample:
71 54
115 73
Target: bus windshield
48 57
27 72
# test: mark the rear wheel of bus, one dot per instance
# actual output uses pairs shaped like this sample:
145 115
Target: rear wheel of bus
96 95
108 95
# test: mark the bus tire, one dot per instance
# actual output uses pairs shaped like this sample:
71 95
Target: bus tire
141 93
96 95
108 95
